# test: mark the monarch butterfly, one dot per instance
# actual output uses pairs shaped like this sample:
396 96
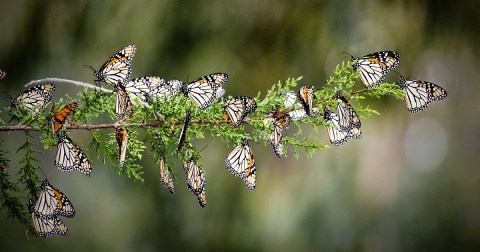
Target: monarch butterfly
280 124
297 114
168 89
335 133
121 135
305 96
123 105
203 91
117 68
70 157
419 94
183 133
196 181
166 177
241 164
34 99
347 116
2 74
48 225
144 86
57 118
373 67
237 108
53 202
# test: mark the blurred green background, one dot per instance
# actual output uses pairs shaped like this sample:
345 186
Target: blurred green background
410 184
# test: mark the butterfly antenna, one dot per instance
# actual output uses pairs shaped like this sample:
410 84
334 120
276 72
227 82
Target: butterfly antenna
6 94
204 148
351 56
93 69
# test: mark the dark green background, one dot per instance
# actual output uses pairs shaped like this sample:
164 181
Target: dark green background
410 184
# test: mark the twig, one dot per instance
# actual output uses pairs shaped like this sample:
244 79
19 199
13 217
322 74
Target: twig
65 81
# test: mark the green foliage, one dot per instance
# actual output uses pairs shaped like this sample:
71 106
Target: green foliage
12 204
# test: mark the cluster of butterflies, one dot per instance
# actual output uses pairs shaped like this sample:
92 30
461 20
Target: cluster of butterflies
341 126
45 211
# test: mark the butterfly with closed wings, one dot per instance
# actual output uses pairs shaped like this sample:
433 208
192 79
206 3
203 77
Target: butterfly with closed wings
48 225
196 180
57 118
237 108
241 164
53 202
70 157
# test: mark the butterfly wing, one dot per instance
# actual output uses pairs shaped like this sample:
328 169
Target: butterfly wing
237 108
53 202
57 118
196 181
70 157
336 135
48 225
117 69
241 164
34 99
166 177
280 124
121 135
305 97
123 104
183 133
203 91
373 67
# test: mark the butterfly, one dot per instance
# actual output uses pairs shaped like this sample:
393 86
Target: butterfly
419 94
168 89
373 67
196 181
57 118
144 86
166 177
48 225
117 69
121 135
305 97
237 108
280 124
70 157
335 133
53 202
241 164
34 99
203 91
2 74
123 105
298 114
183 133
347 117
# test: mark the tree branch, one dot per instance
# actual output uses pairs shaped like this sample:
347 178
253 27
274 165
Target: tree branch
65 81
